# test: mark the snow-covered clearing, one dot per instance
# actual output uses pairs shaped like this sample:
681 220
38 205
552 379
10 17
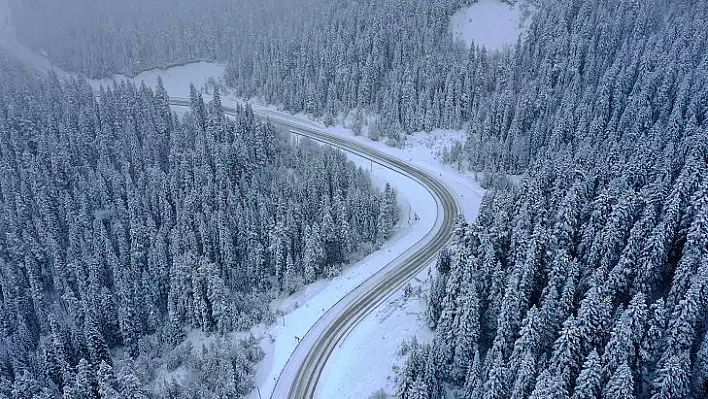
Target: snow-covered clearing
489 23
176 79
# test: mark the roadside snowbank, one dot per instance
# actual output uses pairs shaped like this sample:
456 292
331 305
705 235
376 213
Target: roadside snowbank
368 358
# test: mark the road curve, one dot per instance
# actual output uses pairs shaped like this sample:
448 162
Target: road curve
301 374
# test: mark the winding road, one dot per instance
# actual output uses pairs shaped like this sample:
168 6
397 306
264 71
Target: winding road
300 377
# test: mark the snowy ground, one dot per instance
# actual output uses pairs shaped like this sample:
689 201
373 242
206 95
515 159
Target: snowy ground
489 23
367 360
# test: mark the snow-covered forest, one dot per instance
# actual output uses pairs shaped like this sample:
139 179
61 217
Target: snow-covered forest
584 276
394 58
393 64
123 227
589 279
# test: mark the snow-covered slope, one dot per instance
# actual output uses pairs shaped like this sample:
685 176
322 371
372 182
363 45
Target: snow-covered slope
488 23
303 309
5 28
10 45
175 79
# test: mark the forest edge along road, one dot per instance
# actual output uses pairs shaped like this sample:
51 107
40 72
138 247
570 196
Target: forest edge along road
300 376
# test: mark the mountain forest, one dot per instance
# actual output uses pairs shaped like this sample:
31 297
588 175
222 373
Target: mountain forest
124 226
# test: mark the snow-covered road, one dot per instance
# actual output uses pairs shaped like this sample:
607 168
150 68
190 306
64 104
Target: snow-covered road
302 310
299 378
301 375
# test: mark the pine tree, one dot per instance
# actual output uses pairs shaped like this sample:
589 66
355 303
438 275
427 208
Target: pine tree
25 386
626 336
291 280
650 349
565 359
588 385
525 377
310 257
672 379
218 297
418 391
84 387
466 334
435 300
107 383
98 349
700 369
621 384
550 385
473 380
495 386
130 386
385 223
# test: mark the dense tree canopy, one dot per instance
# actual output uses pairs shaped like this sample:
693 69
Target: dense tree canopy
119 221
588 279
